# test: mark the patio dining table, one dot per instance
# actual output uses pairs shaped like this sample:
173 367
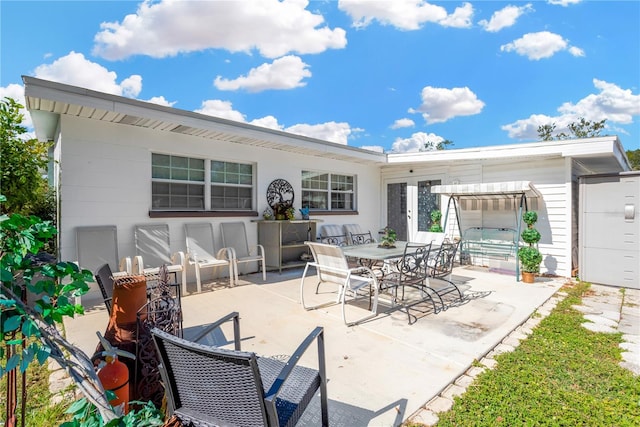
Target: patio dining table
373 251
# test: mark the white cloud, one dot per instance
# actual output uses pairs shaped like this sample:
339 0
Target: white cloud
405 14
166 28
16 92
76 70
403 123
441 104
222 109
283 73
269 122
505 17
461 17
417 142
376 148
543 44
329 131
576 51
564 3
613 103
160 100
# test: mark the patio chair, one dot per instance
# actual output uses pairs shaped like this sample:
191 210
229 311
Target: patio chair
332 267
441 269
410 271
332 234
104 279
97 245
153 249
361 236
201 252
234 237
208 385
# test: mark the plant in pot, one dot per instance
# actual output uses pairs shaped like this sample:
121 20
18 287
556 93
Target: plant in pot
436 216
388 239
529 256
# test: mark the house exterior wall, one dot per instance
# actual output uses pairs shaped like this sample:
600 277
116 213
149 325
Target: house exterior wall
550 177
105 179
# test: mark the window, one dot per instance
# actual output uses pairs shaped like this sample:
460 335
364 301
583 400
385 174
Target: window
326 191
231 185
184 183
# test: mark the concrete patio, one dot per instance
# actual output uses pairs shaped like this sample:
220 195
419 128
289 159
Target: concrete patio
379 372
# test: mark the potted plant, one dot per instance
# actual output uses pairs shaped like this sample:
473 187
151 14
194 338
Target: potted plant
388 239
436 216
529 256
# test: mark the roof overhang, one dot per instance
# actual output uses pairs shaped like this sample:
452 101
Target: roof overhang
47 101
488 190
596 155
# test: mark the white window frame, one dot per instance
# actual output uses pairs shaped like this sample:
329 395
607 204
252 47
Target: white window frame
330 191
207 184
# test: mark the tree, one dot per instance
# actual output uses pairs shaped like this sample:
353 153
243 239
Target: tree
580 129
634 159
22 162
442 145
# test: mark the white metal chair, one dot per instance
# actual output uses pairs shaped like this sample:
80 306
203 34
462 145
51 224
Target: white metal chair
153 249
234 237
332 267
201 252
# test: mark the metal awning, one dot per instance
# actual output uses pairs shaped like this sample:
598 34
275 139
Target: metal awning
488 190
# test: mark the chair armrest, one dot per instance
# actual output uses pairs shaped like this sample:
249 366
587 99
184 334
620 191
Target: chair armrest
178 258
317 333
125 265
235 316
226 253
138 265
258 249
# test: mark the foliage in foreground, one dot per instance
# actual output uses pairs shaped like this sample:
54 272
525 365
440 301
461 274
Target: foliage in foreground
562 375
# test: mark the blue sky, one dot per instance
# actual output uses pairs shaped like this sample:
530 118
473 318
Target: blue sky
386 75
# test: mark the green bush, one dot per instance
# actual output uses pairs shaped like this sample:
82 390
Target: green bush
530 217
531 235
530 258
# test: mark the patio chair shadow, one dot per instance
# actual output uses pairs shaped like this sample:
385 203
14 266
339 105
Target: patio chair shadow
345 415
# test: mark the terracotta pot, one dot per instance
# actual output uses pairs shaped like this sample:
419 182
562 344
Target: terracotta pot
528 277
129 295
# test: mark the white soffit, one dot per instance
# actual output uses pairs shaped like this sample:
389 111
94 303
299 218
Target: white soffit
488 190
47 100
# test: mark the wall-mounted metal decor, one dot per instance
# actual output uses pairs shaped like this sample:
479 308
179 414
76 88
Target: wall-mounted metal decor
280 197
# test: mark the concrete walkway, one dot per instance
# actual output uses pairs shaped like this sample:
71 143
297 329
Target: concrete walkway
610 310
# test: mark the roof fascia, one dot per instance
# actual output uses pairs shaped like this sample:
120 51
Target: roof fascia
59 92
585 147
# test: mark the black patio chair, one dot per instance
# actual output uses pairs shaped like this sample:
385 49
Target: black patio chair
440 272
207 385
104 278
410 271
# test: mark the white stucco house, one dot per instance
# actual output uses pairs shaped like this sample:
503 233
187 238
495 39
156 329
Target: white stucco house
123 162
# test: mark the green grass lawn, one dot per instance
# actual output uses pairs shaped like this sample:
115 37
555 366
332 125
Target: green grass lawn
39 411
561 375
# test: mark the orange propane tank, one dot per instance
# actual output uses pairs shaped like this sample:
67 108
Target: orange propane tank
114 376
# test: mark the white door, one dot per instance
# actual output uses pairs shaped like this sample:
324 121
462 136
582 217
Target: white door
409 206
